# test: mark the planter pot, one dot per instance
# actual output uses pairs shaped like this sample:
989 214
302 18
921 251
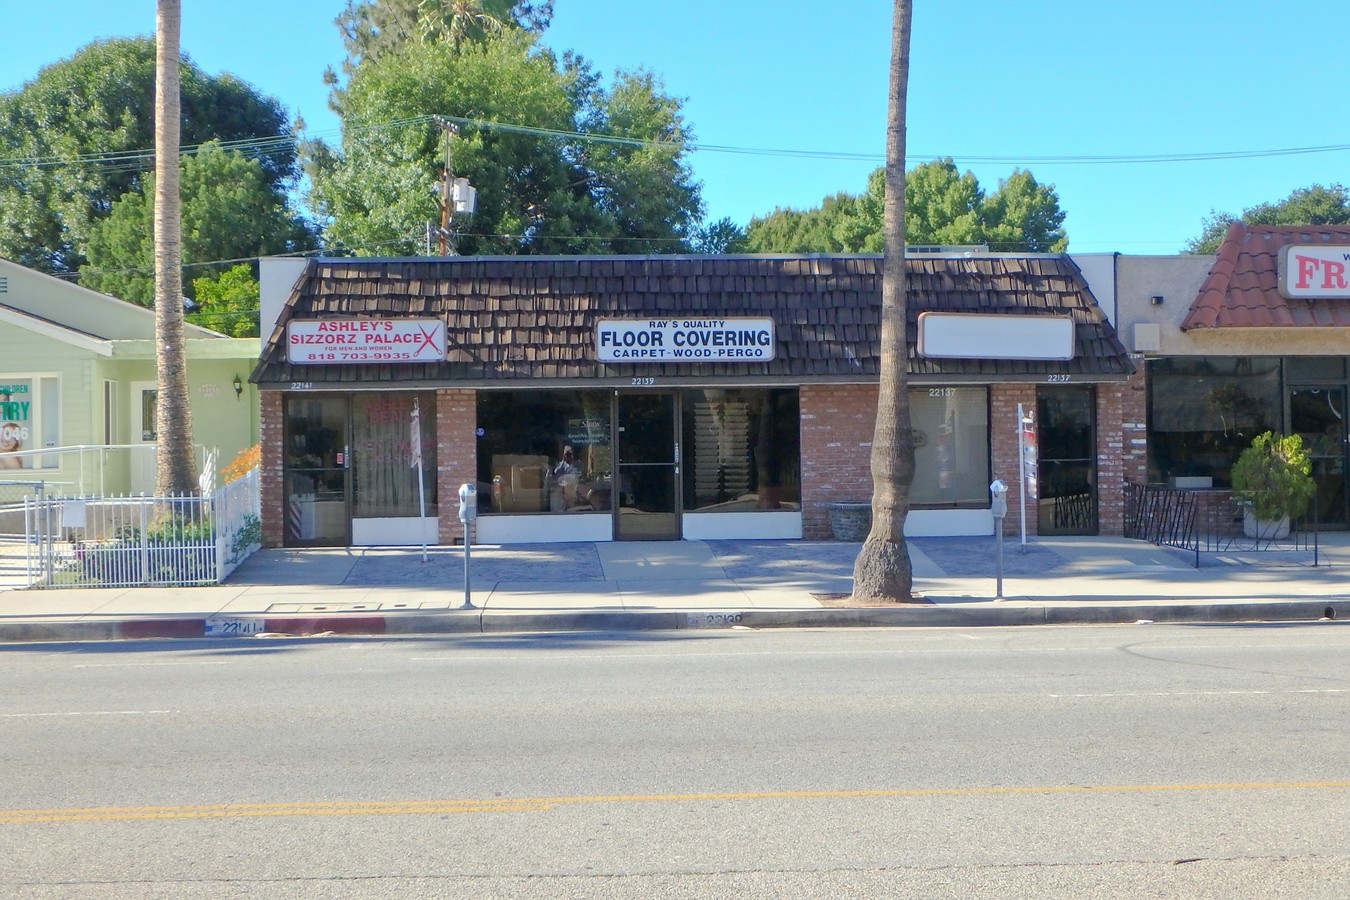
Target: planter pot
1264 529
850 521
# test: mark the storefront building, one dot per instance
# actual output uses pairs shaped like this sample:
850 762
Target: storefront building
667 398
1252 339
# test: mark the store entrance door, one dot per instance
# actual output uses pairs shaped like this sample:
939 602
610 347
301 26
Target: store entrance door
1318 415
317 456
1067 473
646 445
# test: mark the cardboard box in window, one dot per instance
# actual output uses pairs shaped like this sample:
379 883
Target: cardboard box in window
520 482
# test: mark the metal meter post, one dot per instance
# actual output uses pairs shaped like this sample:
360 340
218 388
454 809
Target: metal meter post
468 514
998 504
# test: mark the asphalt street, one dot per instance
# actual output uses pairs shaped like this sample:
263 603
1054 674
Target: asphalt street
1150 760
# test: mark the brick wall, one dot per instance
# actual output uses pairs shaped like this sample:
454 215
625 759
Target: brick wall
456 456
838 421
1122 449
1003 400
271 481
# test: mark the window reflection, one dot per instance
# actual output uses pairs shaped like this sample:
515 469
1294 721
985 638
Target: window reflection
951 446
544 452
1204 411
741 450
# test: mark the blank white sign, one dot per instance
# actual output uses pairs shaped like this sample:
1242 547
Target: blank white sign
995 336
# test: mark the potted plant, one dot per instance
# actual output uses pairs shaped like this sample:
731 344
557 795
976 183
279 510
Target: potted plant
1273 480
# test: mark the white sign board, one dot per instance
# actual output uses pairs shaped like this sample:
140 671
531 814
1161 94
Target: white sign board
338 341
684 340
995 336
1308 272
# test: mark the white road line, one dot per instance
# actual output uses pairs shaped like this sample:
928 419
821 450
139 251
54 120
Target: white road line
204 662
1204 693
106 712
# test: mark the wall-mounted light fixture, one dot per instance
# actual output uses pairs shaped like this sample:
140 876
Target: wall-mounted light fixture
238 387
1156 299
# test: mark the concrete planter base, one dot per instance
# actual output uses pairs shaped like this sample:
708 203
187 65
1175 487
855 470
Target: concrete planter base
850 521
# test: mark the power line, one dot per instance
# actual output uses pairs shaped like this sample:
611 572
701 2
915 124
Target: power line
136 160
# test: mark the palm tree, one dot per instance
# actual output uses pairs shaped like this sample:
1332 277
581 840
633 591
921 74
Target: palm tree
883 570
457 21
174 471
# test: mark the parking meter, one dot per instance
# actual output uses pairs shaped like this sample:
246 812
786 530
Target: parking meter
998 495
468 513
468 503
998 505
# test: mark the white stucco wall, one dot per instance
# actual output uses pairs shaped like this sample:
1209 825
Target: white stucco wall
276 279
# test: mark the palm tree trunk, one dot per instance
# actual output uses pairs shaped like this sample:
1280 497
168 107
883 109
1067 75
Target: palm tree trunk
174 472
883 570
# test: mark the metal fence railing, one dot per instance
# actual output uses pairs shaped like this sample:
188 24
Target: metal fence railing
130 541
1209 521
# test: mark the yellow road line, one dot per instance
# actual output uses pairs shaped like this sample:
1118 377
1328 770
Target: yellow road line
534 804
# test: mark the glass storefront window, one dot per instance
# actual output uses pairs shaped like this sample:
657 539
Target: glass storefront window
30 419
1204 411
544 452
951 447
742 450
384 480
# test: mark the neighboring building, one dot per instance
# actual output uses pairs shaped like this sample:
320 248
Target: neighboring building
78 370
630 398
1253 338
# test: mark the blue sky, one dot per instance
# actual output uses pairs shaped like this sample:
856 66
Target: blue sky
995 85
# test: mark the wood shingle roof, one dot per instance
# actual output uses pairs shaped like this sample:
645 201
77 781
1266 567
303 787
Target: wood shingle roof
526 318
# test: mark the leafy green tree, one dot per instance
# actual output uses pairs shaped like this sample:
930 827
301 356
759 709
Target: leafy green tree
722 236
539 190
228 303
1316 205
645 191
77 137
231 210
371 28
833 227
1024 214
942 206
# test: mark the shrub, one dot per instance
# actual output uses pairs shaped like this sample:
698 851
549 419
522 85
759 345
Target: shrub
244 462
1274 476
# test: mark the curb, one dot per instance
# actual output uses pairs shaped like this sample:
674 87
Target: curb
480 621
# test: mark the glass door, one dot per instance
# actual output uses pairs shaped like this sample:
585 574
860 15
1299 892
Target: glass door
646 501
1067 471
317 459
1318 415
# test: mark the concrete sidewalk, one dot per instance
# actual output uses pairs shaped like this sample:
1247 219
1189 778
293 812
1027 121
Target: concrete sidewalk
694 584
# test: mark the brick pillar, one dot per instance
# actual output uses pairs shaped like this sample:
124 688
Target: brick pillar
456 457
1003 400
837 425
271 481
1122 446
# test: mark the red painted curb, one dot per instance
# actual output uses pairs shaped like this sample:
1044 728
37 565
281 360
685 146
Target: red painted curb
163 628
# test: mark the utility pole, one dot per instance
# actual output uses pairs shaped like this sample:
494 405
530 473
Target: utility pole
456 195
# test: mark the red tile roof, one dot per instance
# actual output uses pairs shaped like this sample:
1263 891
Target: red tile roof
1241 290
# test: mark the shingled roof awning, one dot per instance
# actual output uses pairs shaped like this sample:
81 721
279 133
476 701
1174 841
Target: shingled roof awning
512 320
1242 288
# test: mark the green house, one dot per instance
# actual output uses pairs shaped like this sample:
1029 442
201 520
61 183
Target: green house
77 389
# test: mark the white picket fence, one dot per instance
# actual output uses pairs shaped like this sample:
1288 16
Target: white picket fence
136 540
